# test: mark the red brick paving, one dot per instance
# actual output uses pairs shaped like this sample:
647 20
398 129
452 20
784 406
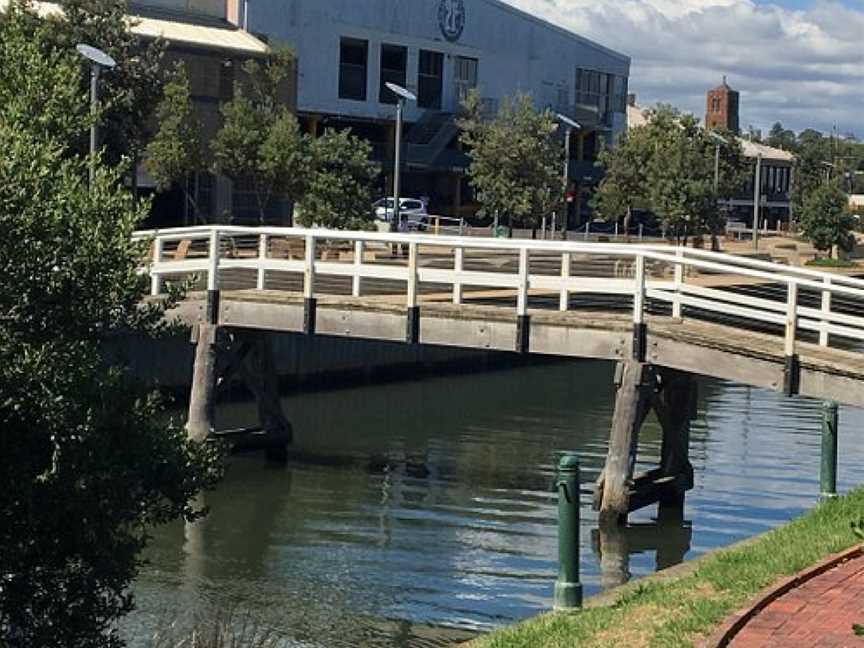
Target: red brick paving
819 613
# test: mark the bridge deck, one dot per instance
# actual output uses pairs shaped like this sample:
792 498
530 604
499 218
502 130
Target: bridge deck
795 330
707 348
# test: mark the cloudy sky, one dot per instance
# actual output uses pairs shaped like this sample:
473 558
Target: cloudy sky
800 62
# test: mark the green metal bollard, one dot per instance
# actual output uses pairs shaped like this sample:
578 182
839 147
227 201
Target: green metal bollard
828 472
568 589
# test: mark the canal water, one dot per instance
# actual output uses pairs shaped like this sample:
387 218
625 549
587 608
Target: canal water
415 514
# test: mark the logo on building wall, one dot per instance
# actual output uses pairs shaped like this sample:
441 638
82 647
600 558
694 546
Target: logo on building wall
451 18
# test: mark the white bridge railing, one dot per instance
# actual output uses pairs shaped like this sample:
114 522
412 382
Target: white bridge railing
691 282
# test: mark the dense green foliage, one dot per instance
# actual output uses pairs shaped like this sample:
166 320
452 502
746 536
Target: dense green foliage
176 150
338 182
677 611
260 143
130 92
89 461
516 164
667 167
825 218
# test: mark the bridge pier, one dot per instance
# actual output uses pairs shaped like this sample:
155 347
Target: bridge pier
672 395
221 354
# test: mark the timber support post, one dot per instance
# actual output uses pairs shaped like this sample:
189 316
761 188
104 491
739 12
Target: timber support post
202 398
632 403
672 395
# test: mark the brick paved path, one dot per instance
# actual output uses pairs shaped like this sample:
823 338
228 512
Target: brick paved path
819 613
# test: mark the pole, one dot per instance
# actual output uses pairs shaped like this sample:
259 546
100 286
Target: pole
94 127
757 189
828 471
568 589
716 168
397 168
566 217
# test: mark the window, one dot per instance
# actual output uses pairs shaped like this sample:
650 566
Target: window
466 76
430 79
605 92
394 63
353 57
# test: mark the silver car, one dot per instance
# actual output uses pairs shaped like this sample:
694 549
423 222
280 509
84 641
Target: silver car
413 212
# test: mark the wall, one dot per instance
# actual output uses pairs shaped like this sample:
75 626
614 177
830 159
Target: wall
516 51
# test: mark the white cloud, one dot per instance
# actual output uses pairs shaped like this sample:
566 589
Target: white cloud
802 67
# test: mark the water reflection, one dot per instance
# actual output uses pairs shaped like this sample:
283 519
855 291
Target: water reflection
414 514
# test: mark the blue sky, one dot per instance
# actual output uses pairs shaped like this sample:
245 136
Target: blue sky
800 62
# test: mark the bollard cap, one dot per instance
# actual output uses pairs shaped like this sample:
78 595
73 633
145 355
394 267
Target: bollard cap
569 462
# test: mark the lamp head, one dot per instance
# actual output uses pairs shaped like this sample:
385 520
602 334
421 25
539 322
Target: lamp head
96 56
401 92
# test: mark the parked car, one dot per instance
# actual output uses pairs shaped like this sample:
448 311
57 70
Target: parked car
413 212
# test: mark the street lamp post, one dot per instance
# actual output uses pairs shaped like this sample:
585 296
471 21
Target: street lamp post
98 60
718 142
570 125
403 95
757 189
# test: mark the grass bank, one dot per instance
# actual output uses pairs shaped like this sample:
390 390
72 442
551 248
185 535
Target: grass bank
678 610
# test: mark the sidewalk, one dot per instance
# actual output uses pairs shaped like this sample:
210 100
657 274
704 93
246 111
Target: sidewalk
820 612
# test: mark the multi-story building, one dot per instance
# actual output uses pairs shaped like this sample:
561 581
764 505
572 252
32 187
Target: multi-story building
441 49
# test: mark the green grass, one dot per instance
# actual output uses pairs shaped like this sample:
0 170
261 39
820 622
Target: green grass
827 262
677 611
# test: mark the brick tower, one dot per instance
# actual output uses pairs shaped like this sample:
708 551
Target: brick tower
722 107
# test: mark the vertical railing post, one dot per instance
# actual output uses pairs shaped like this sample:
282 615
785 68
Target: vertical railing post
568 589
587 230
824 337
641 230
356 281
461 227
412 274
458 267
412 334
791 373
310 304
213 267
828 468
155 277
564 302
262 257
679 284
639 328
523 321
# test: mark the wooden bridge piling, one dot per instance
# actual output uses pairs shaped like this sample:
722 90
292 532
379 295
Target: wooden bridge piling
672 396
202 397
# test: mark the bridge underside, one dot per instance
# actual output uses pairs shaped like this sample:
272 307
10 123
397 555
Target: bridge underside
689 345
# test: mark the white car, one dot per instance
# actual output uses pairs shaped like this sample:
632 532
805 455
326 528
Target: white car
412 211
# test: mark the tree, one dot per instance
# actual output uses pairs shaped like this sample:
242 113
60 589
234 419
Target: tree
130 92
515 163
668 167
176 150
260 143
90 462
338 191
781 138
826 220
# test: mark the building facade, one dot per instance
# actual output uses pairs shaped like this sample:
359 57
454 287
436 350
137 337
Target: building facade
440 50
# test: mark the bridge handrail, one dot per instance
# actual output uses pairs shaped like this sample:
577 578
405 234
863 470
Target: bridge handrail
641 287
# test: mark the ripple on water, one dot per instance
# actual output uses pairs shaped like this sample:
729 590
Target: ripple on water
416 514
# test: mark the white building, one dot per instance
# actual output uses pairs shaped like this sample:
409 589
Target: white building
440 49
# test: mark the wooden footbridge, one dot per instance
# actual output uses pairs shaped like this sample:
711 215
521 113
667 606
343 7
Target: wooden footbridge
662 313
